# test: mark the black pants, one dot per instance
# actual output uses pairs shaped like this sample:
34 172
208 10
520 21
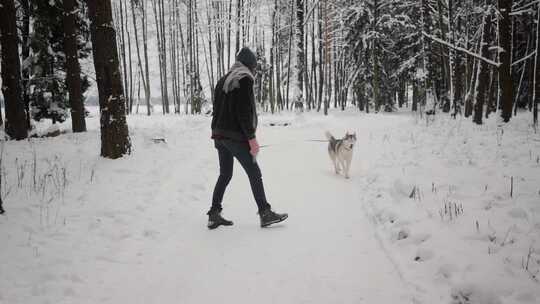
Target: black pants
227 151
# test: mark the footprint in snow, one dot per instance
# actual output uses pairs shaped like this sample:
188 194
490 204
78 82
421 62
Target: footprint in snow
403 234
518 213
446 271
151 234
423 255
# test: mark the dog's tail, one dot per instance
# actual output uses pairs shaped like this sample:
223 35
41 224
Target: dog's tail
329 136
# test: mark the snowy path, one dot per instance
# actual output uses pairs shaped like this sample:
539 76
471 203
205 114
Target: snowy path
325 253
134 230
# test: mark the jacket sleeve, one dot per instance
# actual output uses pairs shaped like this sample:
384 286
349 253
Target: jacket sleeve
216 104
244 107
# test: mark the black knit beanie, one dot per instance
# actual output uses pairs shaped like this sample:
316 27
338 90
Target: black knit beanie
246 57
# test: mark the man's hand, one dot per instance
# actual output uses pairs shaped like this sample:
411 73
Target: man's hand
253 146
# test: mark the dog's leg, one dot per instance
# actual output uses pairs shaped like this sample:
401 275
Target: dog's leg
334 162
347 167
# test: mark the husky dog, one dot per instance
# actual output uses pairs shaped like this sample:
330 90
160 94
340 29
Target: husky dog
341 151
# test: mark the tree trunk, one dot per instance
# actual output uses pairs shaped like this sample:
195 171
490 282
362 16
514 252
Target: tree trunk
164 48
73 69
140 74
115 141
190 71
457 76
147 91
375 59
128 35
428 74
415 96
300 48
314 87
229 35
505 69
25 31
536 100
482 81
289 58
120 13
451 58
321 58
159 33
239 4
16 123
472 87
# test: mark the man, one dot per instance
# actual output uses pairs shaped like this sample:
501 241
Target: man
234 124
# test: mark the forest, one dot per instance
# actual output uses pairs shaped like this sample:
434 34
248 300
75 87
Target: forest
454 57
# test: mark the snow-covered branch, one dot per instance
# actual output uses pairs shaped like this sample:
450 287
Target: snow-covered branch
457 48
524 58
525 6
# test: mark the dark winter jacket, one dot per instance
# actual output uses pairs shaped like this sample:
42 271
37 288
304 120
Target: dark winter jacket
234 115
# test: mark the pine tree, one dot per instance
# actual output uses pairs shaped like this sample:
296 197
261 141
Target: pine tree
374 42
49 98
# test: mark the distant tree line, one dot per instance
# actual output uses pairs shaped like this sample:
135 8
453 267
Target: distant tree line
471 58
459 56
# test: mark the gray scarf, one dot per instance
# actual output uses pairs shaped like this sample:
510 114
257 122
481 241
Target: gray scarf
237 72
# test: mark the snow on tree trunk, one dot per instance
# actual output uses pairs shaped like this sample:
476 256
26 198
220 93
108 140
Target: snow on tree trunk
115 141
16 123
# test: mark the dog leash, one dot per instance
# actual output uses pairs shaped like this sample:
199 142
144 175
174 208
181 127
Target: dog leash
308 140
271 145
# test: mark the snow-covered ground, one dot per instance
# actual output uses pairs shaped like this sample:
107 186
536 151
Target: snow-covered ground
81 229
